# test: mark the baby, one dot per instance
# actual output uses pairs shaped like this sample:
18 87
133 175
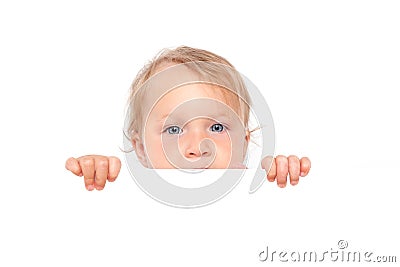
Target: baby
188 109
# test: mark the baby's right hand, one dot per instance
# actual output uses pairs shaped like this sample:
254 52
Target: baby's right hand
95 169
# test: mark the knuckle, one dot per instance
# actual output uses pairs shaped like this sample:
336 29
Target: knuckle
69 162
305 163
280 157
115 159
266 162
86 162
281 160
102 163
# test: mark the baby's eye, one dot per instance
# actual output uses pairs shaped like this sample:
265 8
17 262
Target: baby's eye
173 130
217 127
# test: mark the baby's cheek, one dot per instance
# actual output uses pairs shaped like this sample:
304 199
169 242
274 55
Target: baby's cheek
155 152
224 153
236 148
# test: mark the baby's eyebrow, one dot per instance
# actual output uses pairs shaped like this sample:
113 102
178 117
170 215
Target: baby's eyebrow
163 117
216 117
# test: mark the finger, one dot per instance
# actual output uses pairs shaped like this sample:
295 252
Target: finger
268 164
281 170
72 165
114 166
101 172
305 166
294 169
87 165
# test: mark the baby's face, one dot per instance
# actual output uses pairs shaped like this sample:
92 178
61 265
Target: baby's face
193 127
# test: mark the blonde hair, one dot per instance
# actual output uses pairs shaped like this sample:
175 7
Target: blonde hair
217 69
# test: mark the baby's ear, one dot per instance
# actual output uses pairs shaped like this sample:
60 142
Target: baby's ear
138 146
247 138
247 135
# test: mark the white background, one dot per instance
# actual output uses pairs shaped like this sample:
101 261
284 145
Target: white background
329 71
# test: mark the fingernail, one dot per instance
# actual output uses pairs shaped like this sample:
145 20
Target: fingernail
90 187
302 174
281 185
98 187
294 182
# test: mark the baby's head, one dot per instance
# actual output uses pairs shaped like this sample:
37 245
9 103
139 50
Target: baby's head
189 108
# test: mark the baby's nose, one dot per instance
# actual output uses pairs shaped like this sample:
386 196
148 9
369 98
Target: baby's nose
196 144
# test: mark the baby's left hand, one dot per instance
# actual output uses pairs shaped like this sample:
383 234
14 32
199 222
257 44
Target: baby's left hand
282 166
